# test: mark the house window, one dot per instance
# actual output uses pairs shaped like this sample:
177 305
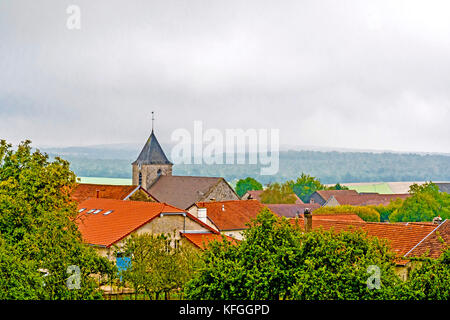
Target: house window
159 172
140 178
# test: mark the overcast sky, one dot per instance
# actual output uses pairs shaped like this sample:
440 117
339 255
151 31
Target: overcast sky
353 74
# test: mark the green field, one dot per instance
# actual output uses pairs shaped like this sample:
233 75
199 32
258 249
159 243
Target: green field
382 188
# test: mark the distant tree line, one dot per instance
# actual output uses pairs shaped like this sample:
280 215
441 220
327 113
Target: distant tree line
329 167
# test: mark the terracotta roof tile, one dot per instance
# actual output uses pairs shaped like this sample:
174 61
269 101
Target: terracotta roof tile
202 240
402 238
126 217
231 215
432 245
84 191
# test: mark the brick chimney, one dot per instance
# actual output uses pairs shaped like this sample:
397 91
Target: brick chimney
307 216
98 193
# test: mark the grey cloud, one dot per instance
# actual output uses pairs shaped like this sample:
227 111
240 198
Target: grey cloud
351 74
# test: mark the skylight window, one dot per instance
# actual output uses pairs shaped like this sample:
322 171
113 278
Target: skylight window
81 210
107 212
92 210
97 211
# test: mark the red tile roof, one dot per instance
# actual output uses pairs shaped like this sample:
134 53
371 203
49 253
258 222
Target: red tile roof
402 238
432 245
84 191
326 194
202 240
125 218
231 215
256 195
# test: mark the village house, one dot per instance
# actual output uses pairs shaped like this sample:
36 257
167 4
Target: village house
373 199
321 196
153 171
106 223
227 217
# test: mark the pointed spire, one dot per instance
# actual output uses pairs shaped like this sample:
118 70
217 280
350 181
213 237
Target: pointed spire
152 153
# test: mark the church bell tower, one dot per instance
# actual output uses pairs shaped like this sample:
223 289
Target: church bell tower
151 163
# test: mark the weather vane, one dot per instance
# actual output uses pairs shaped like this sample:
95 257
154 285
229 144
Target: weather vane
153 119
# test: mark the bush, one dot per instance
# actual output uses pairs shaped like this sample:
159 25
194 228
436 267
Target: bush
365 213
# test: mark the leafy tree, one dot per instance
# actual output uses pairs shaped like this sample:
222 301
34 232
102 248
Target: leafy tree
338 186
155 266
365 213
305 186
426 202
278 193
335 266
257 268
248 184
38 232
429 281
386 211
276 260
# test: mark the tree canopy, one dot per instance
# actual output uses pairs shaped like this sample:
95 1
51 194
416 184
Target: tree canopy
278 193
155 266
305 186
247 184
40 245
426 202
365 213
278 261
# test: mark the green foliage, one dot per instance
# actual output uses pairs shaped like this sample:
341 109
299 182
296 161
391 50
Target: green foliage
38 232
305 186
425 203
334 266
155 266
429 281
338 186
386 211
278 261
365 213
247 184
278 193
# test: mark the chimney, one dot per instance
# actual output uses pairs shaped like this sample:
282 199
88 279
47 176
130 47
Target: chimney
98 193
308 220
202 215
437 220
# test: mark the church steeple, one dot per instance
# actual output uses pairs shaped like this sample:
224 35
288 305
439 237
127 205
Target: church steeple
151 162
152 153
